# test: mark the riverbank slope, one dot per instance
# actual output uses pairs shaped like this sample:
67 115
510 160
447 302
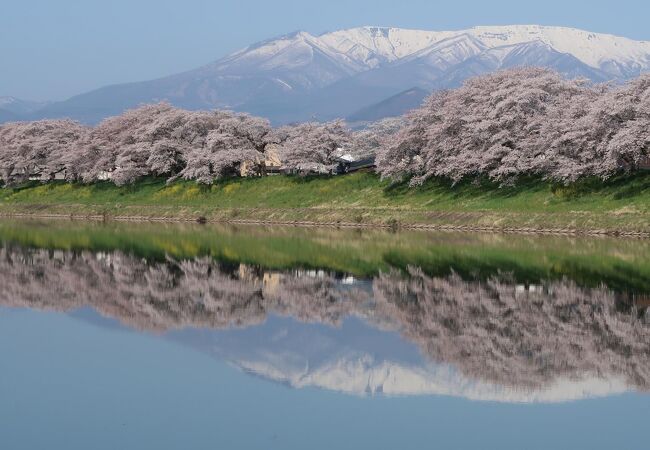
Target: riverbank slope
621 205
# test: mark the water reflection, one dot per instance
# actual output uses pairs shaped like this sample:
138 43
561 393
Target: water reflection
401 331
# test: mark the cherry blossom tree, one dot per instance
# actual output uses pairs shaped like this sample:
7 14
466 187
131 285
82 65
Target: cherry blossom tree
492 125
520 122
237 139
377 135
312 147
39 149
599 134
165 141
150 140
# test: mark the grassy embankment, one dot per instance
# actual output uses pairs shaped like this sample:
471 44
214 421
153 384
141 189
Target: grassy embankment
621 204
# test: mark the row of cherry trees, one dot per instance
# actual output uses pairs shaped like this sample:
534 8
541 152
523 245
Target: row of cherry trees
523 122
503 125
165 141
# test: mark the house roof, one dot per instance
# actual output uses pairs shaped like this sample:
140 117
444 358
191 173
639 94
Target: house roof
347 158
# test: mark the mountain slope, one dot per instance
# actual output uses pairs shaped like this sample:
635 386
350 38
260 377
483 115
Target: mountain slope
391 107
535 53
300 76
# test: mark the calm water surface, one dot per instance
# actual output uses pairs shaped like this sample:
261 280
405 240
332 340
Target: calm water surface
160 336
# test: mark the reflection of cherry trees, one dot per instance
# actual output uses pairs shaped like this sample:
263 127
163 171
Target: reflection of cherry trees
494 330
162 296
313 299
501 332
139 295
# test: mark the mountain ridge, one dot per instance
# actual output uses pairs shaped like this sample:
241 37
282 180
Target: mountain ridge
300 76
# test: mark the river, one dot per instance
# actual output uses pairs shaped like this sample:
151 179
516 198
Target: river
117 335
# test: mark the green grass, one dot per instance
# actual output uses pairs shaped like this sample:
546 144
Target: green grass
620 204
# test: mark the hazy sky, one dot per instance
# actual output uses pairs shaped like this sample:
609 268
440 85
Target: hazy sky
50 50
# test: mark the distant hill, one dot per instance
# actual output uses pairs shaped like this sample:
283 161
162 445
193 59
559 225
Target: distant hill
391 107
300 76
14 107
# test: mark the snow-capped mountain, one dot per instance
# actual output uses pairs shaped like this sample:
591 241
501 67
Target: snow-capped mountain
332 56
299 76
601 51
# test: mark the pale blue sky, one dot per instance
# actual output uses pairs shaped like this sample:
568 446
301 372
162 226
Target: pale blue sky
50 50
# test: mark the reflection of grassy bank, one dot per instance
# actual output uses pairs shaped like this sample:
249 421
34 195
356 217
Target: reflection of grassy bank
621 264
620 204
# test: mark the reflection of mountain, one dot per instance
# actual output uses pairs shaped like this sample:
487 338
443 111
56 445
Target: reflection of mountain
358 358
490 339
364 375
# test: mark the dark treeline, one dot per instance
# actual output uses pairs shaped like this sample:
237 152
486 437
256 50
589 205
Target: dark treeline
502 126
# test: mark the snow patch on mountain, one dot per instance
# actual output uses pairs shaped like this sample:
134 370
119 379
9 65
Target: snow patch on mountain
366 48
288 52
591 48
449 52
372 46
